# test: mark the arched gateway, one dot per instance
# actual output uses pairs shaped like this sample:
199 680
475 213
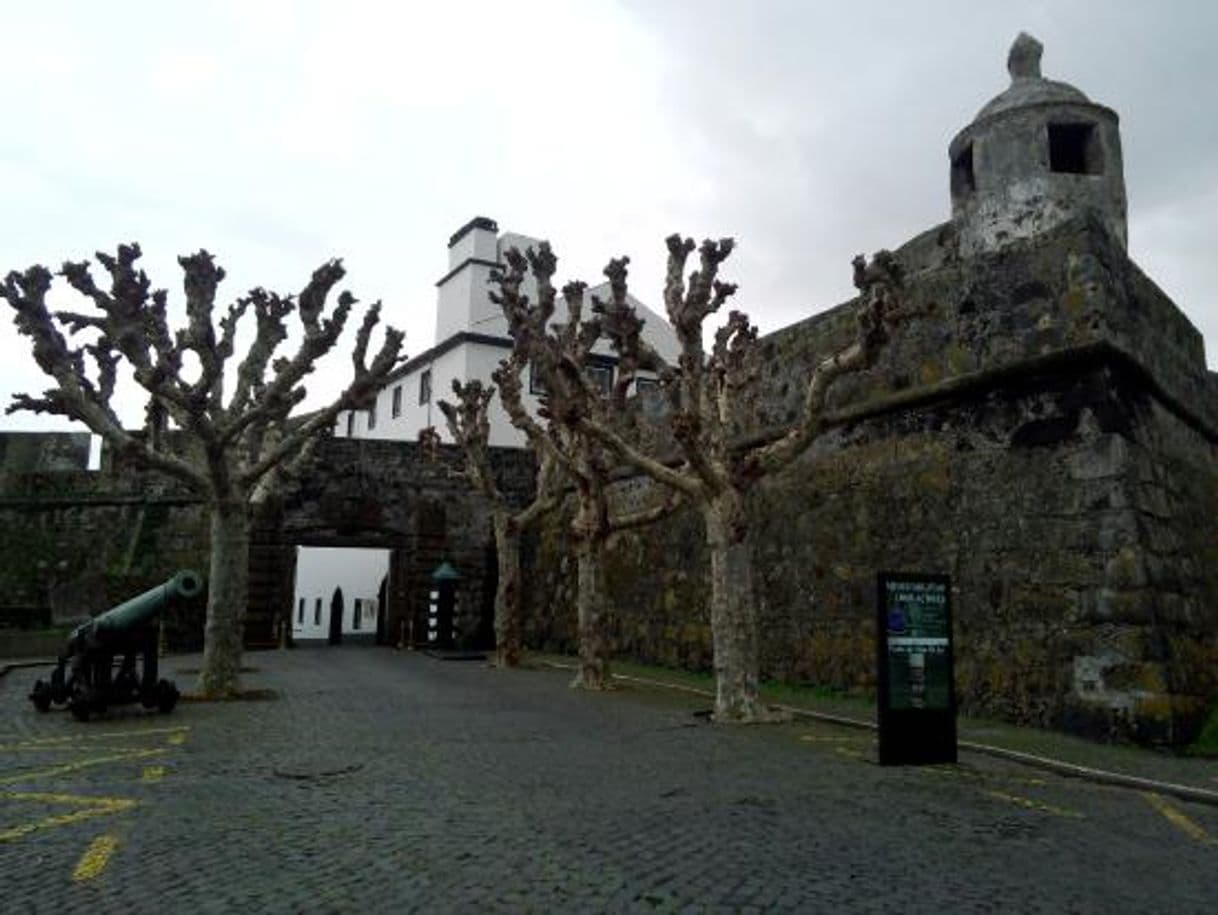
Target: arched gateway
381 495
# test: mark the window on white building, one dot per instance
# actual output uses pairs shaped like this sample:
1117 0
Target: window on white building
536 385
646 386
396 410
372 417
350 423
601 376
425 386
357 612
317 612
300 611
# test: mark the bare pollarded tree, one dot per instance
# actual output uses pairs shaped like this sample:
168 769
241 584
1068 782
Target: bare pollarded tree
469 425
559 356
712 396
230 449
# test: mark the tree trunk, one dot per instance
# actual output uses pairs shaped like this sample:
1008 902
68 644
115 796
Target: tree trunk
733 612
590 601
227 595
507 593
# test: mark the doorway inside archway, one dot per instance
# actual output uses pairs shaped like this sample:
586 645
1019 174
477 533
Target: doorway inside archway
336 617
339 594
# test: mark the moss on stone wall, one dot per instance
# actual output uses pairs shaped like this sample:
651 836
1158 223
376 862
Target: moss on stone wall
1061 589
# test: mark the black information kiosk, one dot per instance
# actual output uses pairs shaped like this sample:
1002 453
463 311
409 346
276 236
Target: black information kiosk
917 699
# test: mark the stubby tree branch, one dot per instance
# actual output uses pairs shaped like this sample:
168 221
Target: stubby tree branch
880 311
227 452
75 396
709 395
559 355
469 425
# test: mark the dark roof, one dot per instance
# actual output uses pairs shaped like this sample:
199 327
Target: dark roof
429 355
478 222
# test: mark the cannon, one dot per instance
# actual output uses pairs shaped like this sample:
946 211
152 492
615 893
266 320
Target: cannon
85 677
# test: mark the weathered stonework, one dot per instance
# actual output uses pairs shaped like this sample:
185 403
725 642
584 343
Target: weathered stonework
77 542
387 494
1042 434
29 452
1035 156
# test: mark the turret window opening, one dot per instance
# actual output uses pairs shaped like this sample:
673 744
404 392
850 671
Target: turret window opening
964 180
1074 149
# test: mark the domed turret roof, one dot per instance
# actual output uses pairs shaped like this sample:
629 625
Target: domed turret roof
1028 87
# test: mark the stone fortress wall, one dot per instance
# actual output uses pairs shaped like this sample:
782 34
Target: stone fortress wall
1041 433
1044 431
76 542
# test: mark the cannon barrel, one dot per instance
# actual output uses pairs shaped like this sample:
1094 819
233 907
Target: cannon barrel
133 613
143 607
85 677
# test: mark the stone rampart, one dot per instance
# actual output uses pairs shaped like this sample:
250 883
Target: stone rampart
76 542
1042 434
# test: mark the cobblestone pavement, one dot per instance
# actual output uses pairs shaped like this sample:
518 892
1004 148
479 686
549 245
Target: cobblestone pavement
385 782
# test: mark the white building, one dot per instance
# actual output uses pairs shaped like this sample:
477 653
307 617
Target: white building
338 593
471 340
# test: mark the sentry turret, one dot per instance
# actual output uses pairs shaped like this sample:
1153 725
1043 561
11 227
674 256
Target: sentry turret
1036 155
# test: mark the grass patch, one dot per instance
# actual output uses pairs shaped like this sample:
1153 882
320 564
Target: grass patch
1206 744
779 692
695 679
795 693
1194 768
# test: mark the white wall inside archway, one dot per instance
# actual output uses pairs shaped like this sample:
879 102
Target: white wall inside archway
319 570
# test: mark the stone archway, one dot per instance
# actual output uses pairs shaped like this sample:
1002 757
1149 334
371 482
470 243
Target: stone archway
379 494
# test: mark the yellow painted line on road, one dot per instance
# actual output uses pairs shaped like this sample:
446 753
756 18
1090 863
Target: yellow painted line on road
51 797
81 764
816 738
853 754
976 776
90 807
95 858
1029 804
68 748
83 743
45 741
106 735
1178 819
152 774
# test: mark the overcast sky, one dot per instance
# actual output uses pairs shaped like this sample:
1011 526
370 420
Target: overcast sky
278 134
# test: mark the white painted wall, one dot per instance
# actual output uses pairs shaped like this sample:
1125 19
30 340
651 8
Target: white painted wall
480 363
477 243
463 300
463 304
319 570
